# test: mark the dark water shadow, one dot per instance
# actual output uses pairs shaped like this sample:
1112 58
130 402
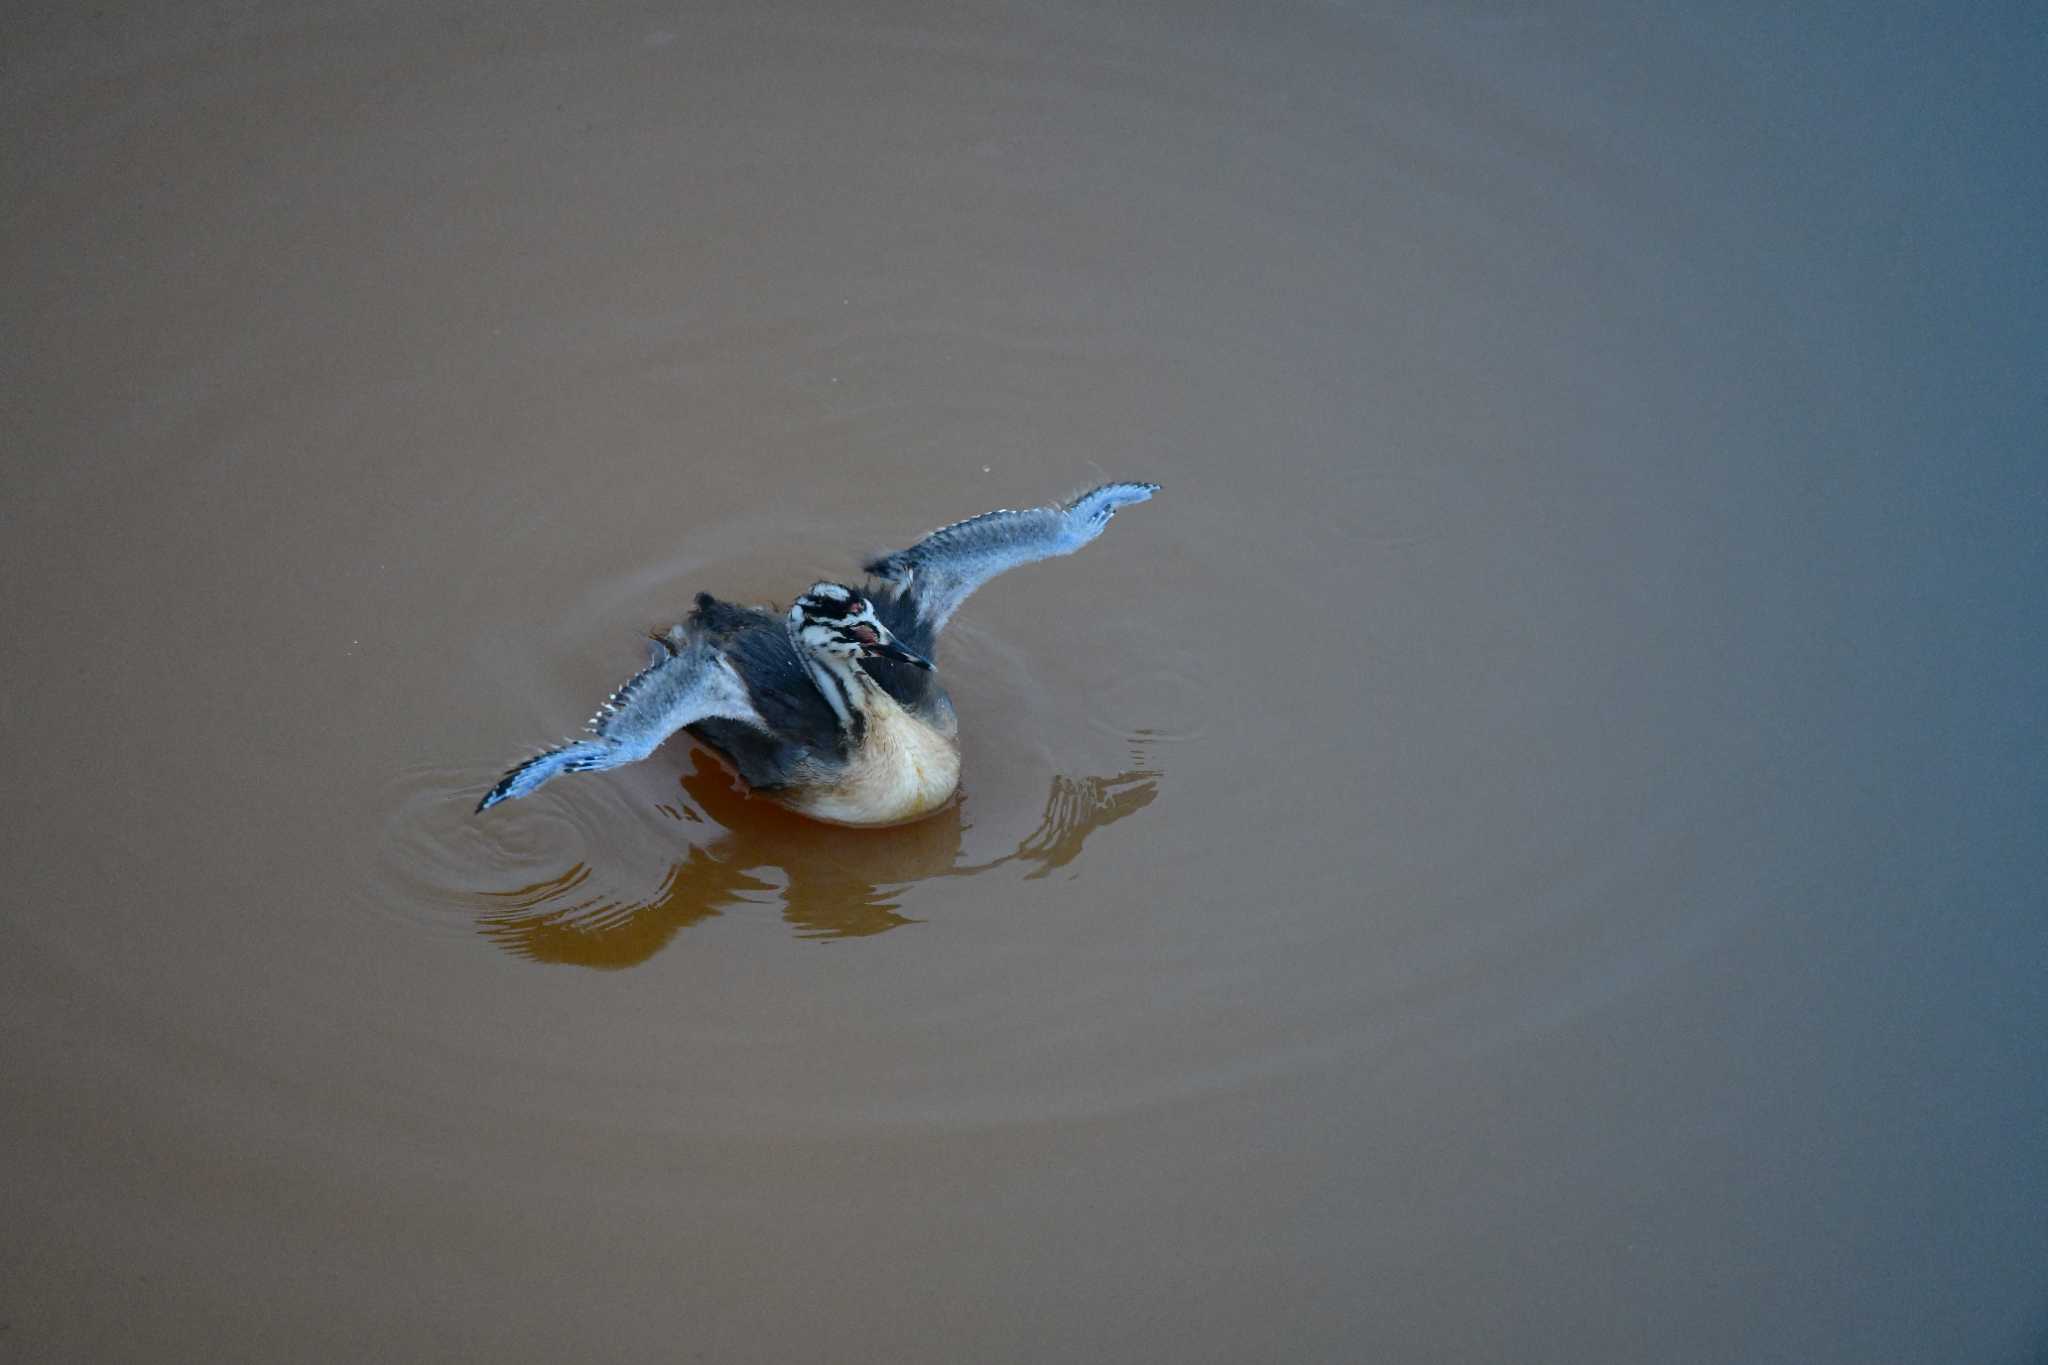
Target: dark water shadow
832 883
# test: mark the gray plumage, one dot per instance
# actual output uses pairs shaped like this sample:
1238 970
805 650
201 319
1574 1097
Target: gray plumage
941 570
733 677
679 686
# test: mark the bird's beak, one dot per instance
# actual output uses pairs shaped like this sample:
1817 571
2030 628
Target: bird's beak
884 645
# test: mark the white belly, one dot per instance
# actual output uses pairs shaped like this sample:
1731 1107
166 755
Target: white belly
904 771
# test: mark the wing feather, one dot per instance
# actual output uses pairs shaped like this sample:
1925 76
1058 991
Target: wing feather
943 570
681 686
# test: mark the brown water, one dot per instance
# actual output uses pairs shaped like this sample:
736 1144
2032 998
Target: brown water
1528 850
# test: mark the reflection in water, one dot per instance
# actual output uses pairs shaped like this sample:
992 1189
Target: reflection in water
834 882
1074 809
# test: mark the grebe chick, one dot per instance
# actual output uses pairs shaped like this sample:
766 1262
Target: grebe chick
833 709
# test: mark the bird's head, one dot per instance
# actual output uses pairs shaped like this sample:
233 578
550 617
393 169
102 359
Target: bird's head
834 619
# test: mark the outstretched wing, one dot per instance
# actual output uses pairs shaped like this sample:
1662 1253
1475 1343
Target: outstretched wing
940 571
686 681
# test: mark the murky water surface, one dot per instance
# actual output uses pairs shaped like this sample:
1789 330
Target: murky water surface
1528 849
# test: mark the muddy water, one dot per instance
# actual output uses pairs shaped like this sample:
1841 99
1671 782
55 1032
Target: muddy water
1528 849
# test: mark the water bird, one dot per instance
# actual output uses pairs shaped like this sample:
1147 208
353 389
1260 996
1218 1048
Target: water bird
834 708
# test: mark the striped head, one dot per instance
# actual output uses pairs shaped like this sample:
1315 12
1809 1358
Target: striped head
834 620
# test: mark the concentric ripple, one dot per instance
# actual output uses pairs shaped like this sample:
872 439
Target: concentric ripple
605 870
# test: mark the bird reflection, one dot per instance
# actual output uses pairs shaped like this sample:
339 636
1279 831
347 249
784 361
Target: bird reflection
831 882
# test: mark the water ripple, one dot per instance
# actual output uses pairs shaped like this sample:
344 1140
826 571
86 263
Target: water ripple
606 872
592 879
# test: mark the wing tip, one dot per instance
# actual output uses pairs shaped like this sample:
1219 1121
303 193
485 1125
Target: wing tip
522 779
501 790
1117 493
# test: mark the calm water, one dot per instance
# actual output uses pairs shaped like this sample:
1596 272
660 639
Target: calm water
1530 849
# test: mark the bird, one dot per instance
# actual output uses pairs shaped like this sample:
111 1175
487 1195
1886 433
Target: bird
834 708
